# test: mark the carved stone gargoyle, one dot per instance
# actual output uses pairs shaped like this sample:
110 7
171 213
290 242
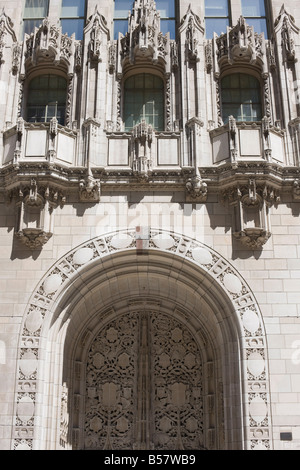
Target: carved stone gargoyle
89 189
197 188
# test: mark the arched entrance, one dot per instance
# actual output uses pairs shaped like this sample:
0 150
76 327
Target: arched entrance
162 348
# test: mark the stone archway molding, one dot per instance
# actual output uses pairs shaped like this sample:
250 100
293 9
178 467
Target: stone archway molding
254 367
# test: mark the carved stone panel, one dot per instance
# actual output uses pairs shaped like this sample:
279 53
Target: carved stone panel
144 386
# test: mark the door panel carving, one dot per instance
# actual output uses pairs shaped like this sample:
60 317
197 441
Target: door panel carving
144 387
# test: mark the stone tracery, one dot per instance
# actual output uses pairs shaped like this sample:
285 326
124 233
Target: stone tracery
144 386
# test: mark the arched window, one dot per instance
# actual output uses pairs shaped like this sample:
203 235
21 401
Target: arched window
46 98
241 97
144 100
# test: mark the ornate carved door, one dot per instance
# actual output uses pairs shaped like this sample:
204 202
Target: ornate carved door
144 385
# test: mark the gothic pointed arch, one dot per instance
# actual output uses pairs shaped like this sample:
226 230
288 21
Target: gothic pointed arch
149 281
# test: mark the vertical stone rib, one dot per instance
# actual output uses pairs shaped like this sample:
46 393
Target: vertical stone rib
143 385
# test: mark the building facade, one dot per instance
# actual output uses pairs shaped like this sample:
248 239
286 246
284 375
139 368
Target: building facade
150 236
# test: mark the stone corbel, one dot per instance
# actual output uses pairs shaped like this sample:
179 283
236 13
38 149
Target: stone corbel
36 206
296 190
89 189
196 188
251 205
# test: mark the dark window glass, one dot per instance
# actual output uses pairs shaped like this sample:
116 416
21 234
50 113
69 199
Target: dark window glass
241 98
47 98
217 17
144 100
72 17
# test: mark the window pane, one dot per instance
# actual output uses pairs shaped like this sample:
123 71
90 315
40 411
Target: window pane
253 8
73 26
71 8
215 25
144 100
260 25
241 97
36 9
46 98
216 8
120 26
166 8
29 25
168 26
122 7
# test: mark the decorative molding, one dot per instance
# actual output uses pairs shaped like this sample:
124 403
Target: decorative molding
252 226
240 44
142 137
286 26
35 204
54 284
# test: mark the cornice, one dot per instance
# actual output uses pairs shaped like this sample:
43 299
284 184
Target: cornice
217 178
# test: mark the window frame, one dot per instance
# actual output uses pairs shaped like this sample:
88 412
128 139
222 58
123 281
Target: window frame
265 18
37 19
74 18
162 101
233 16
228 17
39 74
240 103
